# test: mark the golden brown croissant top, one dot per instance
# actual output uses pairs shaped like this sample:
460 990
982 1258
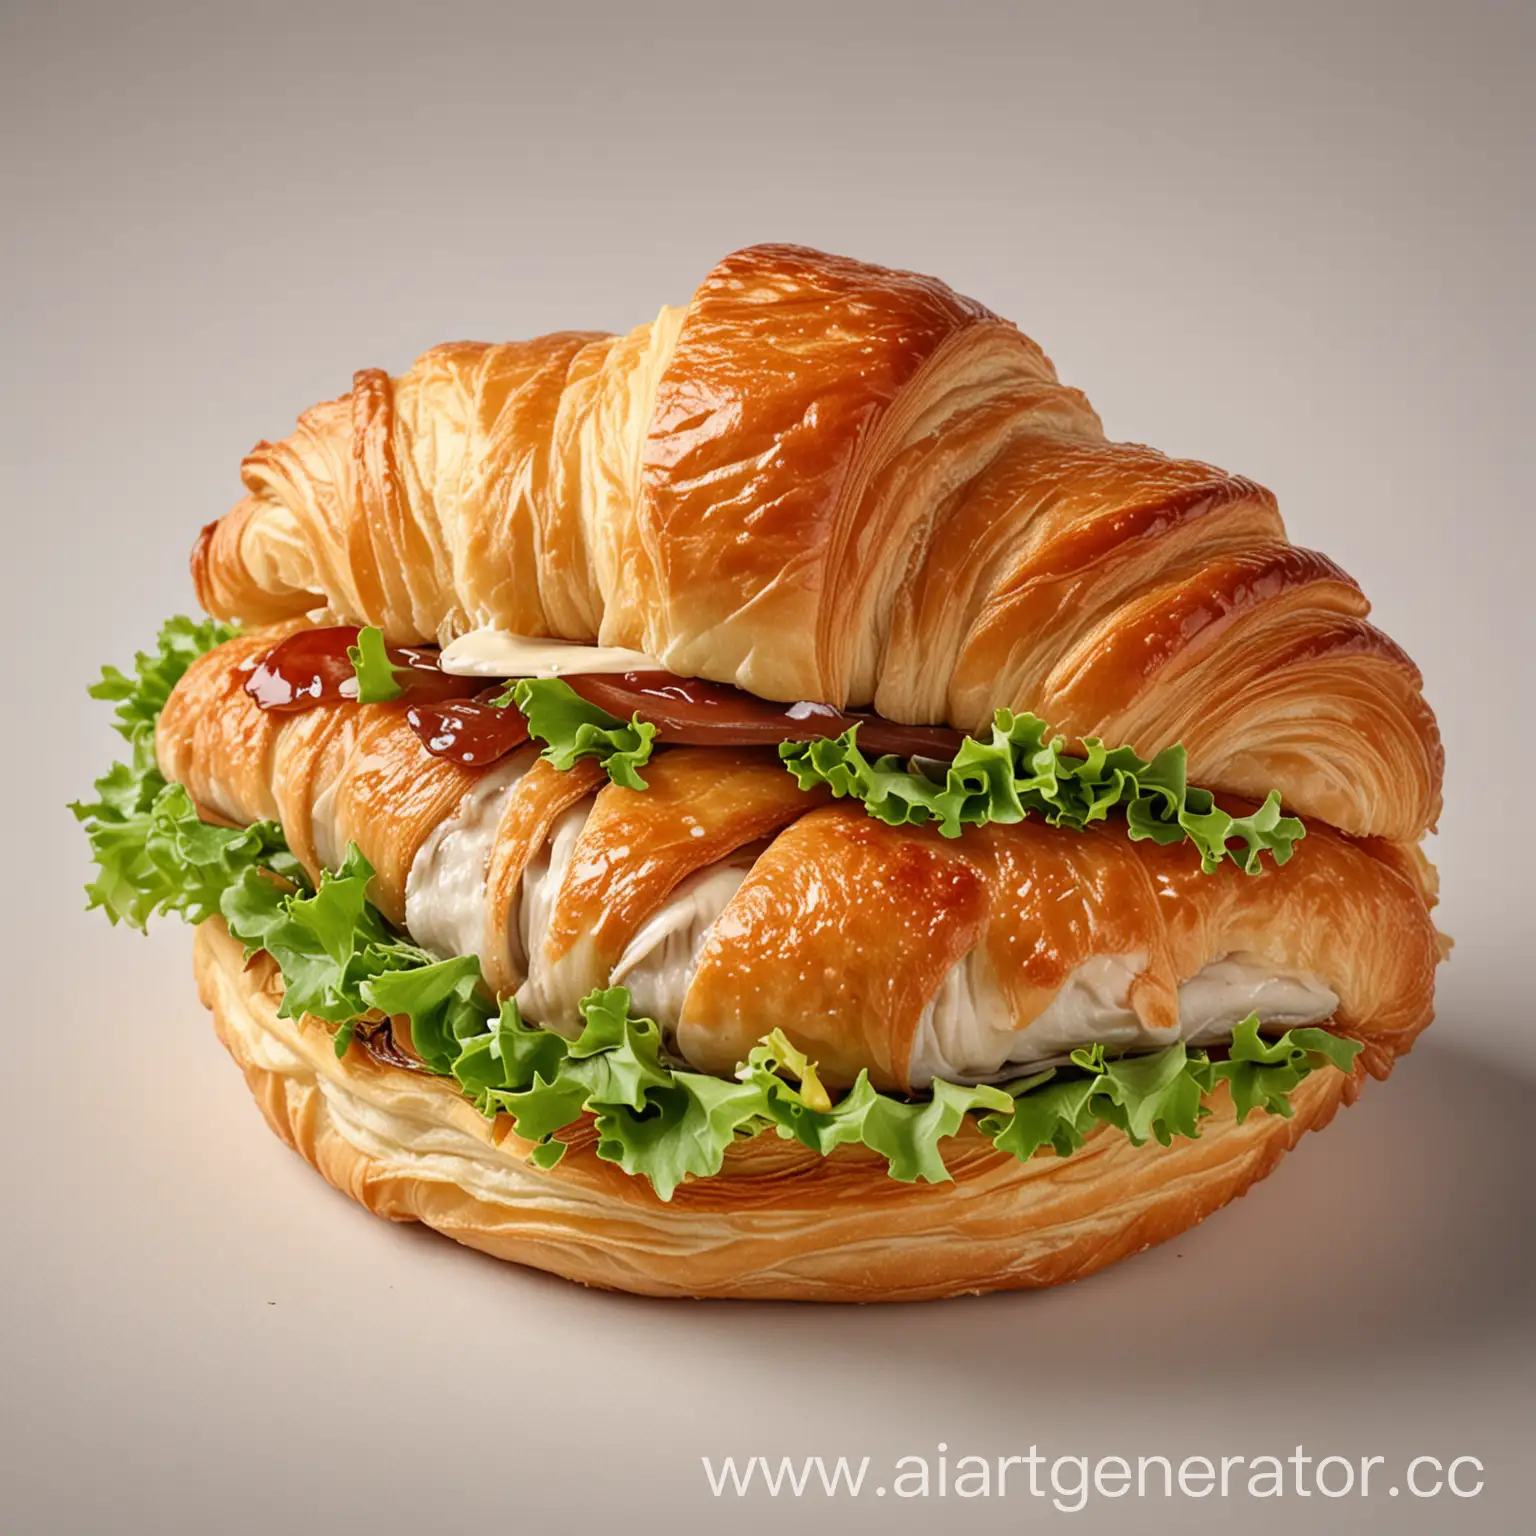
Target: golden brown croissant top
834 481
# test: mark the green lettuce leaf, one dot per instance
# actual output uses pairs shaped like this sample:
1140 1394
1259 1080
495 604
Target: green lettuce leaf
905 1133
341 961
1023 771
667 1124
652 1120
141 697
1160 1095
165 860
683 1131
443 999
505 1054
375 671
571 728
1156 1095
138 826
1262 1073
330 944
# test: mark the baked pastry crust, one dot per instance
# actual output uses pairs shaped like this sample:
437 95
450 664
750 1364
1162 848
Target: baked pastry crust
779 1222
829 480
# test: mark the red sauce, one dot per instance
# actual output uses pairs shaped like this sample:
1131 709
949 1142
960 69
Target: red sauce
692 712
454 718
310 666
380 1043
470 731
306 669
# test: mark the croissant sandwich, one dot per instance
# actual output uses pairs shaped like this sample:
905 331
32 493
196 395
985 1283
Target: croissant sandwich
777 804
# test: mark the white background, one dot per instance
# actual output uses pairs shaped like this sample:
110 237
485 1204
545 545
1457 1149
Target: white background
1295 241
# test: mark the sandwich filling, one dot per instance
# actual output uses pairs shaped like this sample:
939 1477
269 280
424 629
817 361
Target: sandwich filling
549 1056
924 774
967 1033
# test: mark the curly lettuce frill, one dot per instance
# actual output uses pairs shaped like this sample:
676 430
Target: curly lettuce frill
144 863
1024 771
571 728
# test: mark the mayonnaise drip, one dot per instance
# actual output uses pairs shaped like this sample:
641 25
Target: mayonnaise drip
495 653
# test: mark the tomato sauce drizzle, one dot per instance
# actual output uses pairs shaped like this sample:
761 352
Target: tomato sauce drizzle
380 1043
451 716
311 667
470 731
454 718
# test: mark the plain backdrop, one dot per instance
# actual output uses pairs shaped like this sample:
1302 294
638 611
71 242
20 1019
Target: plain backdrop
1293 239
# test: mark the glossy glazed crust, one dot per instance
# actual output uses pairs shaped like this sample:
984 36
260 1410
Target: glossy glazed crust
830 480
354 773
848 927
843 928
778 1223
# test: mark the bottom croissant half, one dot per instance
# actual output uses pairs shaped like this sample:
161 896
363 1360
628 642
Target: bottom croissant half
779 1221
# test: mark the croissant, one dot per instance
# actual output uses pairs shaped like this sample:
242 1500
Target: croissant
669 1033
826 480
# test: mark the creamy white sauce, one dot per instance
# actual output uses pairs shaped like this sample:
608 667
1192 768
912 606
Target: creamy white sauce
446 901
1226 991
445 896
966 1035
542 997
659 961
495 653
